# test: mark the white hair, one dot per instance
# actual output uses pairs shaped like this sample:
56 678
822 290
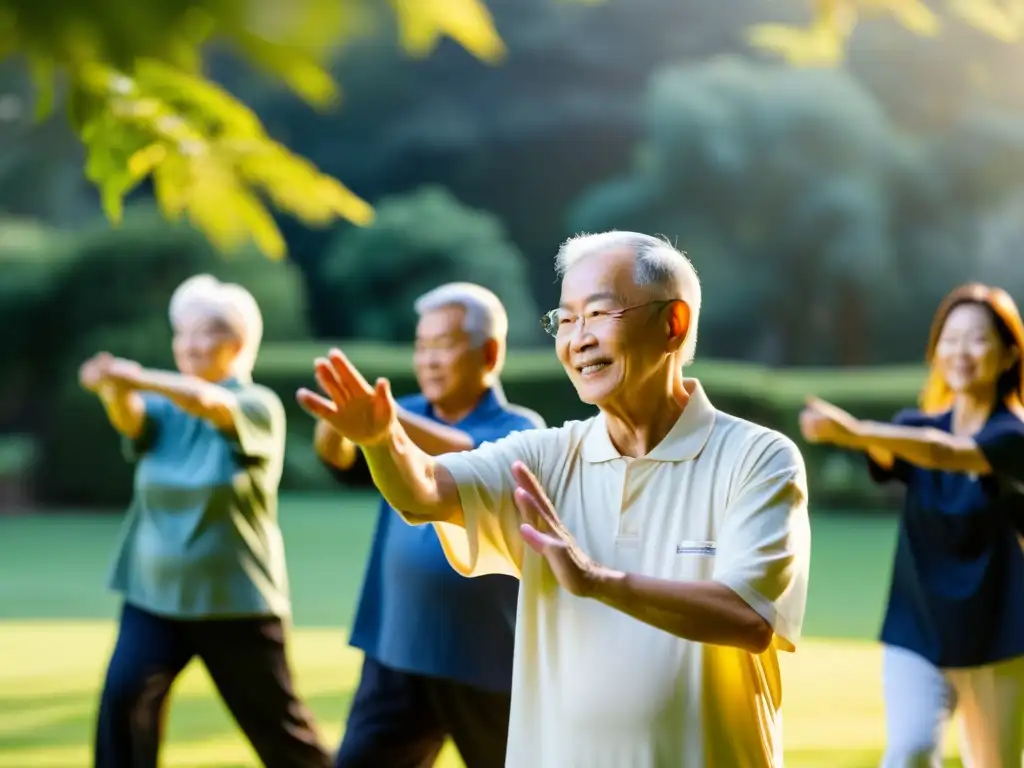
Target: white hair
485 314
231 304
658 264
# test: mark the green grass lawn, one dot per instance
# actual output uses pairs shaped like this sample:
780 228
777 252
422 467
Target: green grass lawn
56 633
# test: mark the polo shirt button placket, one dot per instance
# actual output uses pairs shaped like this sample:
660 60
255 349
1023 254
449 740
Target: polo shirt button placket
627 523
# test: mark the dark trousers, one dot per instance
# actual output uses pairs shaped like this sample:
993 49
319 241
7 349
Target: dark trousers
400 720
247 662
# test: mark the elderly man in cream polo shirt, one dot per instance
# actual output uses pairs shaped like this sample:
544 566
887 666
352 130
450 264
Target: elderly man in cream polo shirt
663 545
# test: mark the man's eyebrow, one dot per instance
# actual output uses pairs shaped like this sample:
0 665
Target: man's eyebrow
603 296
449 336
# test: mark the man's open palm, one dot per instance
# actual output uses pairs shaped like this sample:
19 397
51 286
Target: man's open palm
545 533
357 411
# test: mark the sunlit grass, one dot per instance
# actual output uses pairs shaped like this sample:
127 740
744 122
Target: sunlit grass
57 632
51 673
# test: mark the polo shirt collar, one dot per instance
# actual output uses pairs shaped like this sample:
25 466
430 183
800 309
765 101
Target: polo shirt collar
683 442
490 402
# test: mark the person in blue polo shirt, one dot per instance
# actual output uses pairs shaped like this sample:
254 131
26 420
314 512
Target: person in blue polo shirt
438 647
953 633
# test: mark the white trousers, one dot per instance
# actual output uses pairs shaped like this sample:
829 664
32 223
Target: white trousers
920 699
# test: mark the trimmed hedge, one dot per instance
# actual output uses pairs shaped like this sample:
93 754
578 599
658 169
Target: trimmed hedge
533 379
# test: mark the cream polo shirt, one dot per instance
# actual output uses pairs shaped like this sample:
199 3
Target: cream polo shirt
719 498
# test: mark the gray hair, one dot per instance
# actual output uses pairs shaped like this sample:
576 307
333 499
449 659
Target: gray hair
485 314
658 264
231 304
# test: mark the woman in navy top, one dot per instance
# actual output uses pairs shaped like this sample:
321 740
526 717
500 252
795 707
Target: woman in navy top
954 627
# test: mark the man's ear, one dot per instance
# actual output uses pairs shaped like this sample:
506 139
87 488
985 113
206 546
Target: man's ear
492 353
678 324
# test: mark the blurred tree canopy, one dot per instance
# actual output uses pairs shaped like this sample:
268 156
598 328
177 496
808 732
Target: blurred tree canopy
417 242
138 98
824 41
846 231
66 295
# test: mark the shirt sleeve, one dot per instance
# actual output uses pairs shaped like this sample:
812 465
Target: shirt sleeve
489 542
1002 443
157 410
764 544
900 469
259 423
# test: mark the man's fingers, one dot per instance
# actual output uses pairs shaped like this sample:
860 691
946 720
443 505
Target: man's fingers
526 479
316 405
348 374
529 508
537 541
324 374
542 504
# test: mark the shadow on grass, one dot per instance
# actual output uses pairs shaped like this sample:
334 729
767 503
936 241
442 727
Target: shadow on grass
68 721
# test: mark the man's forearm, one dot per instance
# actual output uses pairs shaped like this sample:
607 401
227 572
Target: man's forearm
124 408
332 448
408 479
430 437
701 611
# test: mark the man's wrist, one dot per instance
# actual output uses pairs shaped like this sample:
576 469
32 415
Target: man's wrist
384 440
607 585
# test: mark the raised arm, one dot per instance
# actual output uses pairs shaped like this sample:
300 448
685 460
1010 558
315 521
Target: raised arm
432 438
920 445
408 478
924 447
193 395
124 407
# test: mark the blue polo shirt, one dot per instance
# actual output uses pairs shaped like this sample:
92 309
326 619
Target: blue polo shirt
415 613
957 593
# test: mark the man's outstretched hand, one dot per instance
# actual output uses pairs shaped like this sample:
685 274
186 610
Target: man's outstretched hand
545 533
354 409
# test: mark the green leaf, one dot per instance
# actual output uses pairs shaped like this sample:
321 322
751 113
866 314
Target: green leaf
43 75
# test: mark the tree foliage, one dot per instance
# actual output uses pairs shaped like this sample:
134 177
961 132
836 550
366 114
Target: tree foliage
417 242
846 231
137 97
824 40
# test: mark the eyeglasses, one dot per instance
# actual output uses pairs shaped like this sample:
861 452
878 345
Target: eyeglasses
559 321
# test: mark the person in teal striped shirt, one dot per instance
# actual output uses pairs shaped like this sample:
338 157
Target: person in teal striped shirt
201 561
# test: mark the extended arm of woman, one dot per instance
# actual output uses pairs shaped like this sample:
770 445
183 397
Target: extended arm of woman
124 406
208 401
924 447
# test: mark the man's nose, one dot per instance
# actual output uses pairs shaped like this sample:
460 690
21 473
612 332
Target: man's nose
581 339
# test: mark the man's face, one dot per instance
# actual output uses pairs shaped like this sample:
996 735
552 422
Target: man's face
449 368
607 351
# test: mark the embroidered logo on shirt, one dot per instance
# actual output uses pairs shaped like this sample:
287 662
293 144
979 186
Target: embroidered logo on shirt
699 548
